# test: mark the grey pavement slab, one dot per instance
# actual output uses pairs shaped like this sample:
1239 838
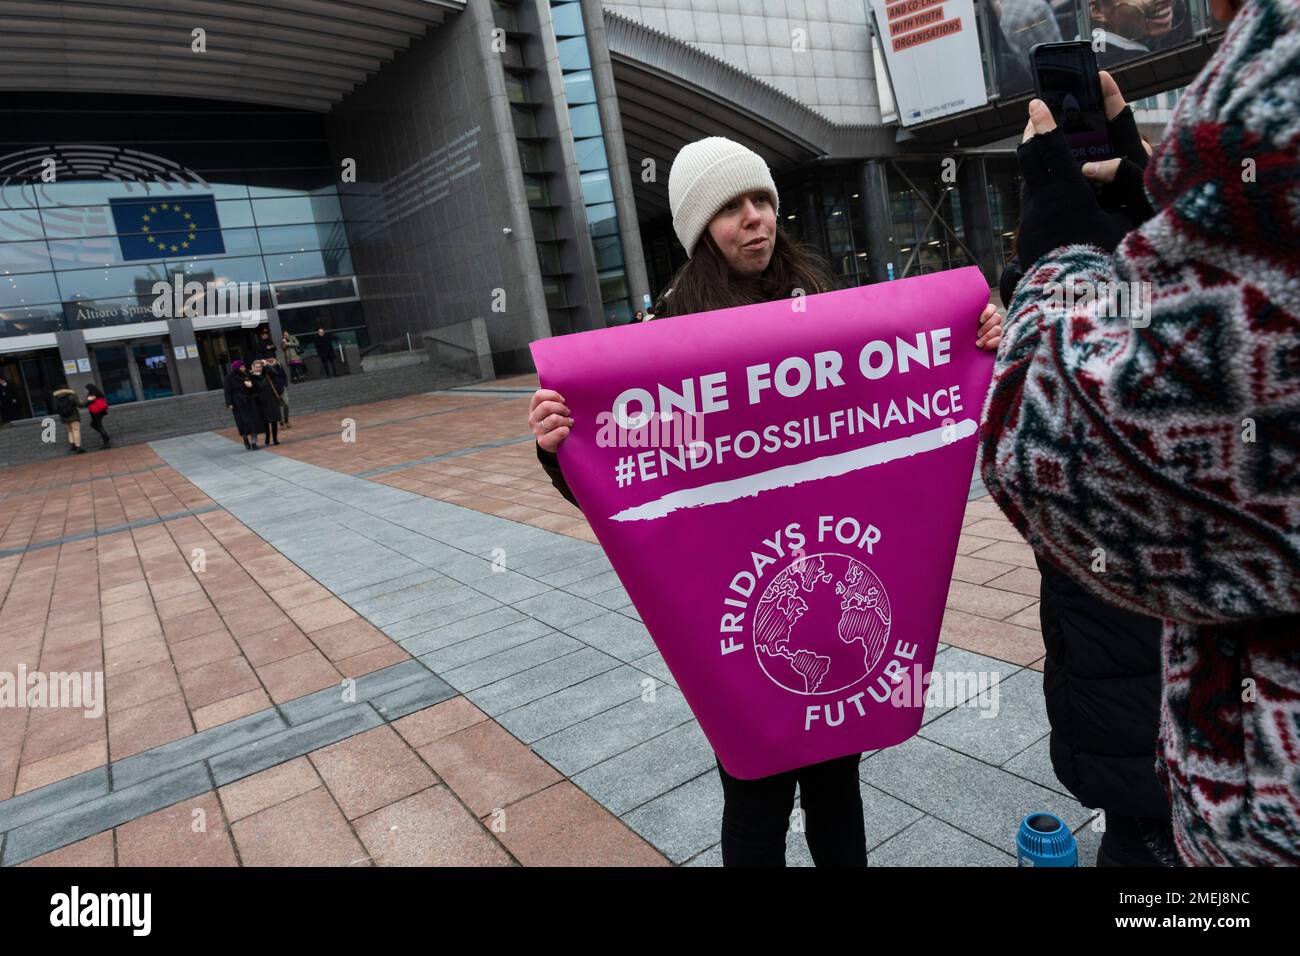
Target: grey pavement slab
51 799
685 820
956 681
616 635
332 700
655 665
571 705
613 731
294 742
499 666
1035 763
636 776
433 617
973 796
1009 718
537 682
482 630
558 609
188 750
931 842
103 813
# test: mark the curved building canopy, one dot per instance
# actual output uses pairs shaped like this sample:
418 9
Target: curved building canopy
303 54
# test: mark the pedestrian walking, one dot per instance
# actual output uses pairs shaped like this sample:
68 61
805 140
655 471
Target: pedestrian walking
68 408
242 401
268 402
97 404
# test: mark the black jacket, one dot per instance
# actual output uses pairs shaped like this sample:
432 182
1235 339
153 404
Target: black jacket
278 376
265 393
243 402
551 463
10 409
1101 679
324 346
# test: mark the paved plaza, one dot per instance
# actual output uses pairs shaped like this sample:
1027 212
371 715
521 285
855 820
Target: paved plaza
408 649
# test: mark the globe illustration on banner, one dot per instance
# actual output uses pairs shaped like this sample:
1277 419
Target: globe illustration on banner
822 624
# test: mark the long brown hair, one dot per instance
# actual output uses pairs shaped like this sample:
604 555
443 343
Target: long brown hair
706 282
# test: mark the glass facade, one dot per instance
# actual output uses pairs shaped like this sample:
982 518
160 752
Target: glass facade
593 161
169 187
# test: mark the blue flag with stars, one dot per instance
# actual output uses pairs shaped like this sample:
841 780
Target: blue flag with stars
161 228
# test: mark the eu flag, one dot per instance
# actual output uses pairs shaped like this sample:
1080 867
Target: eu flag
159 228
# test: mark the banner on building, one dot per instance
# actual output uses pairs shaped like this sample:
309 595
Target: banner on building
932 52
780 488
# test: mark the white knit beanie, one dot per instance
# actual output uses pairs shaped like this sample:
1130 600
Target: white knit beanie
705 175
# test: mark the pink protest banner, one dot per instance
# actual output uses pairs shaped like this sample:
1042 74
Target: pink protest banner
789 543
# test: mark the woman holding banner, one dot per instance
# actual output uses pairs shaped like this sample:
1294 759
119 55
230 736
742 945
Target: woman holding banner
724 205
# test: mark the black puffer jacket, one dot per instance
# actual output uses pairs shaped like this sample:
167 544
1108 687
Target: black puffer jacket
1101 679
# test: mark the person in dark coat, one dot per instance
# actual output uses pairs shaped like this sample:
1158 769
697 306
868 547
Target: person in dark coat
68 407
280 379
97 404
265 347
10 409
241 399
325 351
1101 681
268 402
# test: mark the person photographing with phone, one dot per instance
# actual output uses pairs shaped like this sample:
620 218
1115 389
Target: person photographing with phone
1150 453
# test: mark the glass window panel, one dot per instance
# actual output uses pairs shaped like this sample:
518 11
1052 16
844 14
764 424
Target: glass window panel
538 192
31 289
579 88
135 279
218 190
308 265
105 251
548 257
20 224
608 251
573 54
591 154
516 88
530 157
245 269
525 121
88 193
543 223
554 290
302 238
567 19
18 196
613 285
505 15
291 296
290 209
617 312
585 121
23 257
29 320
596 187
602 219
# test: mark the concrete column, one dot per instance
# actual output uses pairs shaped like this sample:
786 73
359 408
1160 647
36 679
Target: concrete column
874 193
188 371
73 348
977 217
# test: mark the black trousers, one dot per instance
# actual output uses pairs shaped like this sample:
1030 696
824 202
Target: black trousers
97 423
756 815
327 364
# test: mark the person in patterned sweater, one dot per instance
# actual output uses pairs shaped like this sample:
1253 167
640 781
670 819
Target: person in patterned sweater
1154 455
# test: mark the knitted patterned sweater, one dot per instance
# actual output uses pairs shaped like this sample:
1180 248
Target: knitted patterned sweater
1159 464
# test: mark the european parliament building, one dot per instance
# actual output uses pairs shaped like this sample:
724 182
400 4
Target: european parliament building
177 175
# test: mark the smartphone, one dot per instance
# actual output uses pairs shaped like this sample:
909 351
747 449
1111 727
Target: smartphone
1065 78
